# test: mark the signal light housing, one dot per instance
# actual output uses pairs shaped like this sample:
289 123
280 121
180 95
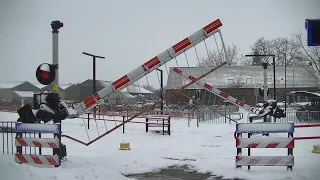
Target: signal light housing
46 73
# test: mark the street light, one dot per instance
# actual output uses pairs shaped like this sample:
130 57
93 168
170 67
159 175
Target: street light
285 83
274 70
161 86
94 78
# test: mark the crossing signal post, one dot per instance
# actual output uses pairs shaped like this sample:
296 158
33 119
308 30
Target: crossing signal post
56 25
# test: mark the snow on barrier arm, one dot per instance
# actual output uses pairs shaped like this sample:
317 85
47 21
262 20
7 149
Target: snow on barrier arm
265 128
217 92
149 66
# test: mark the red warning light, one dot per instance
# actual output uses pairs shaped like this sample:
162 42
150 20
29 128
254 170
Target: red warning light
46 73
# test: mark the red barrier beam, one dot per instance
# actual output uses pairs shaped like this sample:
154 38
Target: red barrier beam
306 125
306 138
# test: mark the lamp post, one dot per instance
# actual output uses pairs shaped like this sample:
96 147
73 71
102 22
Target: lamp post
285 83
161 90
274 69
94 78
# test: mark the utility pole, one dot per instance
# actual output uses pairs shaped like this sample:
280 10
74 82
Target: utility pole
56 25
285 83
94 90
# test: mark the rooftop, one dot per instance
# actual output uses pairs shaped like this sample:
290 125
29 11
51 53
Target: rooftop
11 84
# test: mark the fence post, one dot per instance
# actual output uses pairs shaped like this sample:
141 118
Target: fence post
163 126
123 119
225 115
169 125
18 134
146 124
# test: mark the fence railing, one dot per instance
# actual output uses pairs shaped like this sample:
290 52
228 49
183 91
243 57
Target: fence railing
7 139
221 115
302 117
218 115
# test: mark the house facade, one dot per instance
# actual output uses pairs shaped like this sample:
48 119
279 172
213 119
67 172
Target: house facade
242 82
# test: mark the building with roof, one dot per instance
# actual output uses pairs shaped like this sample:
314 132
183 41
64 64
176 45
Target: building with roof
128 95
17 91
242 82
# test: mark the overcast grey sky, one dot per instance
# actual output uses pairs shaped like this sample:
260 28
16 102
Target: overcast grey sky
130 32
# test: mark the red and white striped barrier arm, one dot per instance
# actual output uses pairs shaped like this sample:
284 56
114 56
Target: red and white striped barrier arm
265 142
264 161
217 92
37 142
149 66
37 159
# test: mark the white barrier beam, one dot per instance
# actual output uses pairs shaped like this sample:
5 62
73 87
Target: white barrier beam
264 161
265 128
37 128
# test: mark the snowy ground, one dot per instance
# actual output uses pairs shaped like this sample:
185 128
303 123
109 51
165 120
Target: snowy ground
211 145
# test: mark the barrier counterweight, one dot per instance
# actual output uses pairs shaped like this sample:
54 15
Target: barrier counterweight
268 142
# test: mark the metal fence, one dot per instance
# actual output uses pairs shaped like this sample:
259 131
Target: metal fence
218 115
222 115
7 139
301 117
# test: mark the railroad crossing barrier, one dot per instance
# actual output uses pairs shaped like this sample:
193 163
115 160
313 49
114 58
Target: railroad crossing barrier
268 142
53 143
155 127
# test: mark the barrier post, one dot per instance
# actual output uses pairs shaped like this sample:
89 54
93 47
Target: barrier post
146 124
169 125
269 142
162 126
123 119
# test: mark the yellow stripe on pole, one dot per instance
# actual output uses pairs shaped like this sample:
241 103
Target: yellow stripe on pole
54 88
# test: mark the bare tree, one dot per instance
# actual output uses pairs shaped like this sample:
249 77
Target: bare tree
283 48
217 57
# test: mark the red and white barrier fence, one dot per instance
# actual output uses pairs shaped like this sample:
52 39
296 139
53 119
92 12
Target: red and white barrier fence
53 143
267 142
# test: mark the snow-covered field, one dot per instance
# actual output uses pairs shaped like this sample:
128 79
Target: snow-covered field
211 145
